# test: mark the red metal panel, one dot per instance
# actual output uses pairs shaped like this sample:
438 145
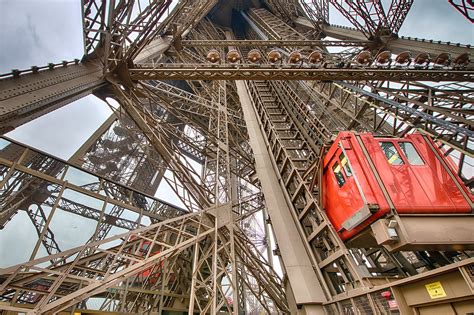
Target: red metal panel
152 273
439 186
387 174
341 203
418 189
405 191
369 186
452 167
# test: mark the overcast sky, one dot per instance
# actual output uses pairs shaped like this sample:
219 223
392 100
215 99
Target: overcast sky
36 32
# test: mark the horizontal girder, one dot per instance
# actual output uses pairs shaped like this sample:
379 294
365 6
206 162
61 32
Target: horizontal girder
260 144
100 189
266 72
28 94
398 45
270 43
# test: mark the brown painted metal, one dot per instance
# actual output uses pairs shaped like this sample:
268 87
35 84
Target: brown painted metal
228 72
27 95
259 143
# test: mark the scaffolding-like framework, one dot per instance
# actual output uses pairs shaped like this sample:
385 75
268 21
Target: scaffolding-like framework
232 105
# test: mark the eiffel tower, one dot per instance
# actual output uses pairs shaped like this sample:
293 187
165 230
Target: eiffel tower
233 105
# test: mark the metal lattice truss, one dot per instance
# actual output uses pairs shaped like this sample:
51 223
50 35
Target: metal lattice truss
204 72
465 7
139 257
370 18
240 143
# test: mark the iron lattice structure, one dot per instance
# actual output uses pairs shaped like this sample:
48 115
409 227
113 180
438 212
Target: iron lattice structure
252 92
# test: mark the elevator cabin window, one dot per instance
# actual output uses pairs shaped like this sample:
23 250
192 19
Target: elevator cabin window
342 170
410 152
336 168
391 153
345 165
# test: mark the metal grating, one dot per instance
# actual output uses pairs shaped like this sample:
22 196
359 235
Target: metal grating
385 302
470 271
362 304
331 309
347 307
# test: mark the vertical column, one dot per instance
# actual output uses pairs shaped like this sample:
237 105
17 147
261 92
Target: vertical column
301 275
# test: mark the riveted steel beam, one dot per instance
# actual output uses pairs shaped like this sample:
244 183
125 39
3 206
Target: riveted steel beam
26 95
241 72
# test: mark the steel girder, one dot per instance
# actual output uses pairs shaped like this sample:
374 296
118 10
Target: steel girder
29 94
317 11
295 123
94 268
273 43
368 17
87 274
21 171
226 72
465 7
116 31
273 121
397 13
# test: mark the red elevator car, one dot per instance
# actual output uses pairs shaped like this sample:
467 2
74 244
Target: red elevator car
152 273
367 177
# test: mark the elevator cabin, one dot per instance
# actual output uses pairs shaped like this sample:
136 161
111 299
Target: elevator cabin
402 193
